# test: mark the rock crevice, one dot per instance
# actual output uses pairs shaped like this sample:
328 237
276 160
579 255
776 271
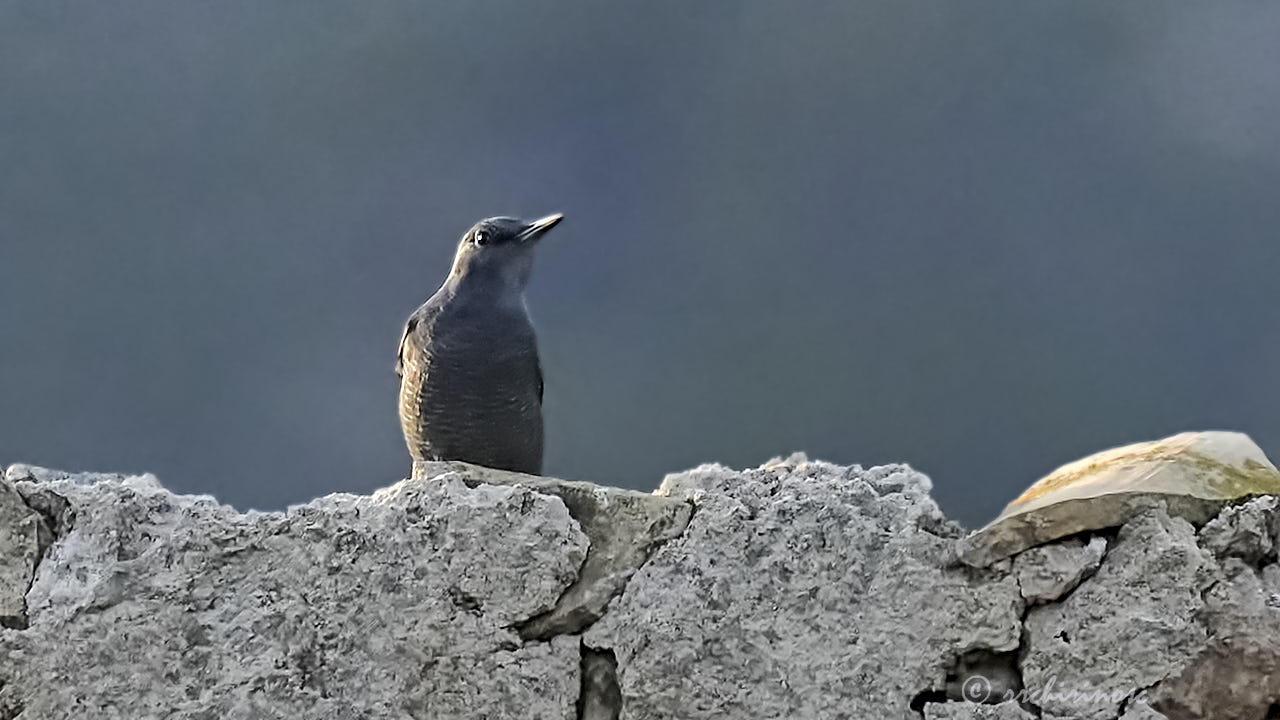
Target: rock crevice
29 524
600 697
623 528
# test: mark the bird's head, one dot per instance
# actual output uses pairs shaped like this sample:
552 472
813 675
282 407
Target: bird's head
500 250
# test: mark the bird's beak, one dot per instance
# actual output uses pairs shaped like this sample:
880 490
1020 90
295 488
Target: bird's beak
535 229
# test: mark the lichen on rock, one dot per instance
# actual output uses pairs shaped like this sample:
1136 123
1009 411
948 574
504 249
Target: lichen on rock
1191 475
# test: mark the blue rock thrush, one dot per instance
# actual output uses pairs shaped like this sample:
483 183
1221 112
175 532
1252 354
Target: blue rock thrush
470 380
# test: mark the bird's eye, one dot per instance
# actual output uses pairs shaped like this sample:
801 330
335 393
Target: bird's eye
481 237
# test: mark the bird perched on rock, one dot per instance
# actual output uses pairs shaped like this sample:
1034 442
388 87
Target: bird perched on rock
470 380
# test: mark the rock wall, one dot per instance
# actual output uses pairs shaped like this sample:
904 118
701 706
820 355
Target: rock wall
796 590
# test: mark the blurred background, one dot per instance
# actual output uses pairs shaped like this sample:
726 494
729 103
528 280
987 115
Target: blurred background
984 238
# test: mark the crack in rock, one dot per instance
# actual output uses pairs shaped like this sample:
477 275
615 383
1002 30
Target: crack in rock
1048 573
600 697
29 525
624 528
985 677
981 683
1135 707
9 710
1020 655
925 698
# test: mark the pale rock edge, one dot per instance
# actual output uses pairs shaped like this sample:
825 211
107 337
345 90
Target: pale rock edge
795 590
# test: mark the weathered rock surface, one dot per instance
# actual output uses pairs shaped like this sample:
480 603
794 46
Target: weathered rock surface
1237 671
1048 572
1245 531
23 538
796 590
970 711
624 527
401 604
802 590
1191 475
1126 628
1140 710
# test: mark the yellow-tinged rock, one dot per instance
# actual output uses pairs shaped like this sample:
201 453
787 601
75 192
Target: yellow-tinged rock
1191 474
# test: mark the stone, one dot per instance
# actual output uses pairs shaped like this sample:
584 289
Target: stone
1048 572
400 604
1243 531
1126 628
797 589
1237 673
1140 710
974 711
802 589
23 539
624 527
1190 475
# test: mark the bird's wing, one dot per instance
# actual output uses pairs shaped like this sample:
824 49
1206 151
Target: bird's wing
424 316
538 367
410 325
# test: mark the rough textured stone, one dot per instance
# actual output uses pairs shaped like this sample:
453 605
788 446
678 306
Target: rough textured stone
1126 628
802 589
1049 572
399 604
624 527
797 590
1237 673
1243 531
973 711
1140 710
23 538
1191 475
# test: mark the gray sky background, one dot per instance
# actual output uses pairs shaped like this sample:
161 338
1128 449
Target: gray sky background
984 238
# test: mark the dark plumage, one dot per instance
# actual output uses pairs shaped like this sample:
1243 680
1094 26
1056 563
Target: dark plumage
470 381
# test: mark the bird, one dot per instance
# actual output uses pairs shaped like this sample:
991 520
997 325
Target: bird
470 379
